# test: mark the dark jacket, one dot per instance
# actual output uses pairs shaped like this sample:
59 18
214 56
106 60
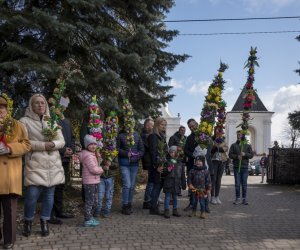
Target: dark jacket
137 149
153 141
199 178
189 149
112 171
174 177
177 140
66 129
146 160
84 130
235 151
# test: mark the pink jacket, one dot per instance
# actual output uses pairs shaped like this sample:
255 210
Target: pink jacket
91 171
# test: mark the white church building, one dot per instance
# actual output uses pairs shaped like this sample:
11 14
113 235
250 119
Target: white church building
259 125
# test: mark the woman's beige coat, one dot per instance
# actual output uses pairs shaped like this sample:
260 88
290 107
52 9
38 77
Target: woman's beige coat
42 168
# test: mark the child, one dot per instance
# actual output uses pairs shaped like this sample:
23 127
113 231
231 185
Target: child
200 184
174 179
106 188
90 178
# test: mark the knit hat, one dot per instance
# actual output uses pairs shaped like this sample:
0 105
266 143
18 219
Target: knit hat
172 149
89 139
200 158
3 101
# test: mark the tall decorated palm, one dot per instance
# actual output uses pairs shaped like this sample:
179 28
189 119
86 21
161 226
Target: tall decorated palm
209 110
249 97
129 123
219 130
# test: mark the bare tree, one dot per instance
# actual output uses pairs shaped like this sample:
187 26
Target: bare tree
291 135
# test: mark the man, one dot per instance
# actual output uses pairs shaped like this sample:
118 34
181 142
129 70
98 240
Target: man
240 155
178 140
263 165
189 149
65 154
146 160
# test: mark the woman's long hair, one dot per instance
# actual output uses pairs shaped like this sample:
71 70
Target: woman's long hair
157 122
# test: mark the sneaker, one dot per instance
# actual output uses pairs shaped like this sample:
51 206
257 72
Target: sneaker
91 223
237 201
245 202
213 200
262 182
106 215
218 200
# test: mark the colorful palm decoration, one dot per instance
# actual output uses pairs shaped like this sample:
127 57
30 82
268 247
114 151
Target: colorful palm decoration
249 97
111 128
209 110
220 125
95 124
7 122
129 123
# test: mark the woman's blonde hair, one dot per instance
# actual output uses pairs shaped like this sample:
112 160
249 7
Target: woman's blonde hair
157 122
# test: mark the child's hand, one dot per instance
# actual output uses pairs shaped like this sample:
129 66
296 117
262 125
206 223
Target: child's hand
159 169
191 187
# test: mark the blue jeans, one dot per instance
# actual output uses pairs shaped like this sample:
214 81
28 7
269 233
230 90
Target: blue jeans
106 188
148 190
168 198
31 197
129 174
155 194
201 201
240 179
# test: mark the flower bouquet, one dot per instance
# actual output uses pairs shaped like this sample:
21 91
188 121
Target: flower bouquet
249 98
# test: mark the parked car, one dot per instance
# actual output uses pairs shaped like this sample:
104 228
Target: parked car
254 167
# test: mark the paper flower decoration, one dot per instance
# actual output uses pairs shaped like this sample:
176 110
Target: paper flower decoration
95 124
7 123
209 110
111 128
56 112
129 123
220 125
249 97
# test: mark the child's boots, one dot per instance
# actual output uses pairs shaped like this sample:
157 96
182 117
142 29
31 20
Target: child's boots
202 215
193 214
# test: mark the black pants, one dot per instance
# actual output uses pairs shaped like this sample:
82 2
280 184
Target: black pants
59 193
8 204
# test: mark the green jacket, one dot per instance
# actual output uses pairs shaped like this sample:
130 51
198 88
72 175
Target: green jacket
235 151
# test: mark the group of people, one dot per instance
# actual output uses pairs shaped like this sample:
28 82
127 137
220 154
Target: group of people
171 167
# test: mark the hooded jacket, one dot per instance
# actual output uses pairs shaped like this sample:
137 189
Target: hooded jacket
42 167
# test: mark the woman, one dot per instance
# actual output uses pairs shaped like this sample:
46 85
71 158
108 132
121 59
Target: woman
43 167
129 162
13 144
158 148
219 160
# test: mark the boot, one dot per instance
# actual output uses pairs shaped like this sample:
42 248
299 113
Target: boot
175 213
193 214
130 208
202 215
167 214
27 228
44 228
125 209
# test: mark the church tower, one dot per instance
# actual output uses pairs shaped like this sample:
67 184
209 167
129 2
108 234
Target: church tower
259 125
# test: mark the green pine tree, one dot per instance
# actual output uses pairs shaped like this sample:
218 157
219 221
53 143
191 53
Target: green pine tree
118 44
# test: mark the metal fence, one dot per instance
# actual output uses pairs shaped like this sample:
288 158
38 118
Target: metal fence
284 166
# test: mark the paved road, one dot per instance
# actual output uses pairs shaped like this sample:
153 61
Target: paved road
270 221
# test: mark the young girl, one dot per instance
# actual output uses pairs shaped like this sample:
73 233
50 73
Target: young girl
200 184
90 178
174 180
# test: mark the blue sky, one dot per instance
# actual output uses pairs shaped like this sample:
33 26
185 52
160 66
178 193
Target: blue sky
275 79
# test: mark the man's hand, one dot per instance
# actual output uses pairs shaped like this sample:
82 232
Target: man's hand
68 152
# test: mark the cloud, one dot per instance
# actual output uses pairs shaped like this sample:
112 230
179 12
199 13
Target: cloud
199 88
271 5
285 100
176 84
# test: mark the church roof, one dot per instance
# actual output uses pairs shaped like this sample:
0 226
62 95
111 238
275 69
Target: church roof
257 106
